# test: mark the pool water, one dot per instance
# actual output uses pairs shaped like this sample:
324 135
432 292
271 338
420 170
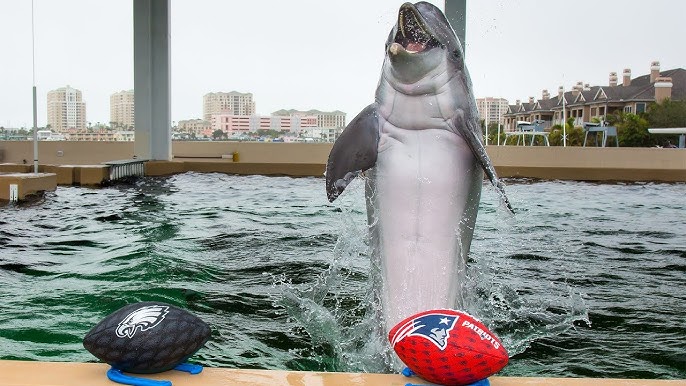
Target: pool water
586 280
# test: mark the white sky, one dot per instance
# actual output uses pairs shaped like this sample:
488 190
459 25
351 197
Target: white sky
326 55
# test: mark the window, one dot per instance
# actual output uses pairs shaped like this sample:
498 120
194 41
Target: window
640 108
628 109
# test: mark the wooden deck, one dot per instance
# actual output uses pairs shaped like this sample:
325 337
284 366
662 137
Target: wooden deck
26 373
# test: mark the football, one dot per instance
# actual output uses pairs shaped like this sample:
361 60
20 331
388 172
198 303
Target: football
448 347
147 337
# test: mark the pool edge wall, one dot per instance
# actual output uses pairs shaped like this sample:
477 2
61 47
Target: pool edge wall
33 373
309 159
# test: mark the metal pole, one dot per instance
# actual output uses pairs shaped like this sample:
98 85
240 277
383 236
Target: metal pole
564 119
35 109
456 12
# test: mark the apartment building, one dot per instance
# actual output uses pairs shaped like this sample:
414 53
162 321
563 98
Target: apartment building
234 124
492 109
583 102
122 110
199 127
324 118
100 135
233 102
66 109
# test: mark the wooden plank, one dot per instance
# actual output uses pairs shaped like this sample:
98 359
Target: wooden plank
27 373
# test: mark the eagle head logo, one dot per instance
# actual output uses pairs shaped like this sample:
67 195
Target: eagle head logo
143 319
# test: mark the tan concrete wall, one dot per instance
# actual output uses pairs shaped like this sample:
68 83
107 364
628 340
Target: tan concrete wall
83 153
72 152
573 163
27 184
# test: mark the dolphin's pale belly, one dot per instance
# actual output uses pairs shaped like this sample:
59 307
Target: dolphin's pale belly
423 196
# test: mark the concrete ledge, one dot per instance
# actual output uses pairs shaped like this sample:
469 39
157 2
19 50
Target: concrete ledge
65 173
91 175
160 168
27 184
301 159
592 174
25 373
16 168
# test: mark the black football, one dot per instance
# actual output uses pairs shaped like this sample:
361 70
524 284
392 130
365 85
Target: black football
147 337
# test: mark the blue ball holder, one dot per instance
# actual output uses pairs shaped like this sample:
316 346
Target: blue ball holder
116 375
409 373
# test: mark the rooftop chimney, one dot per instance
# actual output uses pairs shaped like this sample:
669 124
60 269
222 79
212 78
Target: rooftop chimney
545 95
663 88
577 88
560 91
654 71
613 79
518 102
531 100
587 87
627 77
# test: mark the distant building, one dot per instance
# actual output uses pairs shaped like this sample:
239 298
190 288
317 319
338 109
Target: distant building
324 119
100 135
227 102
199 127
122 110
236 124
323 134
66 109
492 109
583 102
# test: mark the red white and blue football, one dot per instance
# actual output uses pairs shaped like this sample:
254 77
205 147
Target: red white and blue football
448 347
147 337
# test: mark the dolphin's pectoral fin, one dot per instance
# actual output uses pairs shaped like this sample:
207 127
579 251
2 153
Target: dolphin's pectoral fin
353 152
470 131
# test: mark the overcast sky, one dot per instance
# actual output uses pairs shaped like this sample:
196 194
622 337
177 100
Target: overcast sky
326 55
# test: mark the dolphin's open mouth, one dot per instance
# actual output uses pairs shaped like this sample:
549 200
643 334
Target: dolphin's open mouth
412 32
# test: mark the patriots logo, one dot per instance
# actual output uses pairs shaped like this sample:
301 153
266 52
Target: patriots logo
143 319
435 327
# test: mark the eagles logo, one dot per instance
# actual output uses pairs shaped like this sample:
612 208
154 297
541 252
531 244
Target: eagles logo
143 319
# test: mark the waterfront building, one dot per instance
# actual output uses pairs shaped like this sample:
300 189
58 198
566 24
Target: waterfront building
235 124
122 110
324 118
321 134
233 102
199 127
100 135
491 109
584 103
66 109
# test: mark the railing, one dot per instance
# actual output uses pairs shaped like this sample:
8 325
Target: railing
126 168
673 130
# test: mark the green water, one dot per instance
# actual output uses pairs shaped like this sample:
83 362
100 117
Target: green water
586 280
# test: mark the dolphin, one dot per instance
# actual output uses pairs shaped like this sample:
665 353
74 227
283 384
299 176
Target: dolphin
420 147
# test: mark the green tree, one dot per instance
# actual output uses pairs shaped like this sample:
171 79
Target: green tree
666 114
493 133
269 133
632 131
218 134
575 135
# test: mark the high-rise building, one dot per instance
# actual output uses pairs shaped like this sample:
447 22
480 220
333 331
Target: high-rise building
66 109
492 109
232 102
122 110
324 119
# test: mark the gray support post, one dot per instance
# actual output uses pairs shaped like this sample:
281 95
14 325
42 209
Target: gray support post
456 12
152 79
